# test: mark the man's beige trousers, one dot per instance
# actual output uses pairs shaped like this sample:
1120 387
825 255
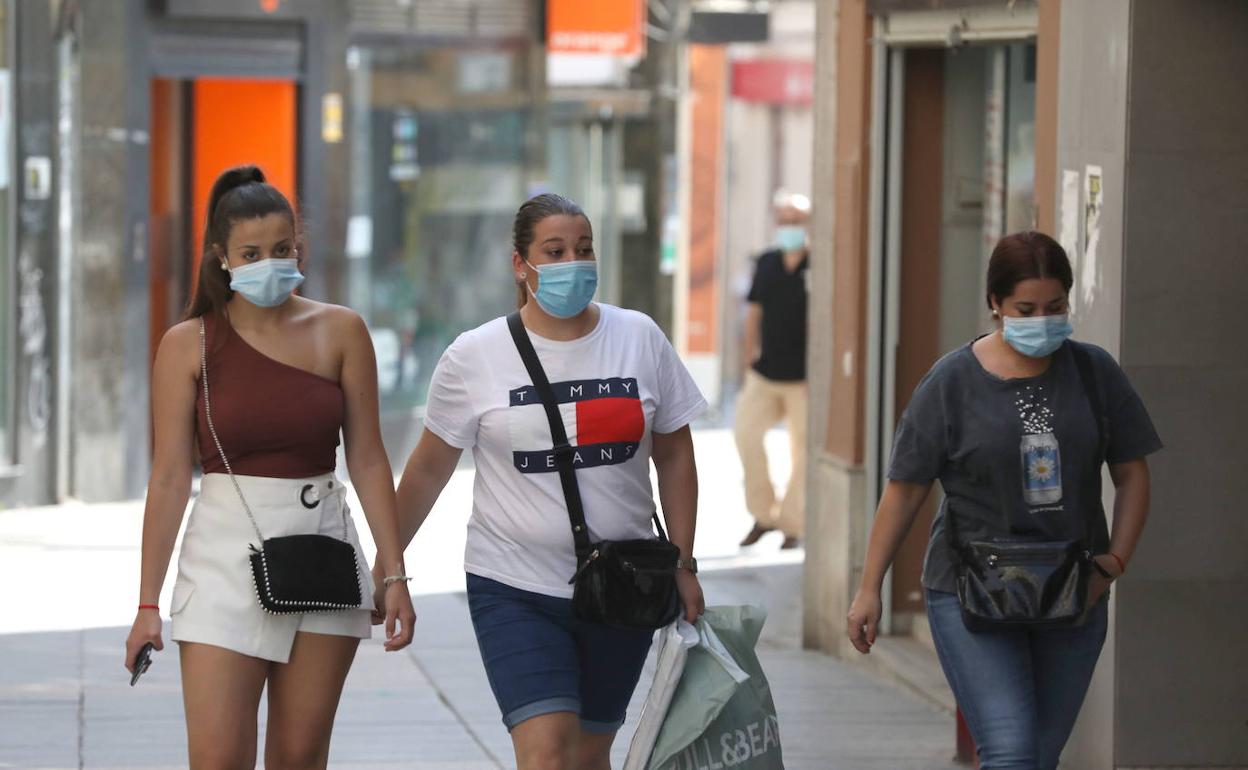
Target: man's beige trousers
764 403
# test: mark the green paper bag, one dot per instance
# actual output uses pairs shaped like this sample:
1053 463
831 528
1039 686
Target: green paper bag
722 714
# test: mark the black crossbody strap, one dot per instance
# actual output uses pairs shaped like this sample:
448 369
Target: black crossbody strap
563 450
1087 376
1091 389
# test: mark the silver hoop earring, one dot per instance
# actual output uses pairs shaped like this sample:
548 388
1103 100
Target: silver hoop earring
521 276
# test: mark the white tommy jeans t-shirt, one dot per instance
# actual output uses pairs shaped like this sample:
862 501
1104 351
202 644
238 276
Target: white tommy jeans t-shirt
615 386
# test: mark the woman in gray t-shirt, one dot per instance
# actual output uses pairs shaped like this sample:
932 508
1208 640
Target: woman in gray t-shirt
1006 425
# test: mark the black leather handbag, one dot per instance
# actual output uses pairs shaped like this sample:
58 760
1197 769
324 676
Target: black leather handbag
628 583
1018 583
294 573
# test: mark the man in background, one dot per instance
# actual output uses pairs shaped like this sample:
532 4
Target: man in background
775 380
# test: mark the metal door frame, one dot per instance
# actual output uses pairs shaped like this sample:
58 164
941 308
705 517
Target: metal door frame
883 280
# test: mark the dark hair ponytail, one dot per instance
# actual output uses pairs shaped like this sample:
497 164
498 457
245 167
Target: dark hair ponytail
531 212
239 193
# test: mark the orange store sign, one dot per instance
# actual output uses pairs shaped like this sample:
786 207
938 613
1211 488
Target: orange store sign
612 27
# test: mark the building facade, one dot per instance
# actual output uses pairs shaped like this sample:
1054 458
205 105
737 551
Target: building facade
406 133
30 235
942 126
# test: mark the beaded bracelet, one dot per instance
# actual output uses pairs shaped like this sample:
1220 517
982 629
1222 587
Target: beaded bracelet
395 579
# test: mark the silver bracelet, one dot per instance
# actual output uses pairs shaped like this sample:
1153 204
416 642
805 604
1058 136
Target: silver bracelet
395 579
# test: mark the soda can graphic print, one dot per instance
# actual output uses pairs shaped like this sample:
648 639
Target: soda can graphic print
1041 456
603 419
1042 469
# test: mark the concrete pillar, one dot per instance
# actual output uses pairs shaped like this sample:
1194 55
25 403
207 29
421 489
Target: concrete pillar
109 402
836 485
34 275
1141 98
1182 695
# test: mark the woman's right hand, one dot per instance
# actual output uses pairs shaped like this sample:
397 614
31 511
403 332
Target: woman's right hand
146 628
379 596
864 619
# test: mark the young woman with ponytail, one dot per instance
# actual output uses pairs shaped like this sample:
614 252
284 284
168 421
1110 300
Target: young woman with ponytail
287 374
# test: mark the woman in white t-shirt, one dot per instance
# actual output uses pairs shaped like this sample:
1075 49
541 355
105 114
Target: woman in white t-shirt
562 684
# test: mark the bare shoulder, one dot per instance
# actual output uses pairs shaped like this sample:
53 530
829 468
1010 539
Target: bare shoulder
179 351
342 326
179 346
339 321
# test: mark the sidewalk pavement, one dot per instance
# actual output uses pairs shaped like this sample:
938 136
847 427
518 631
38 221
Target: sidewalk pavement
70 572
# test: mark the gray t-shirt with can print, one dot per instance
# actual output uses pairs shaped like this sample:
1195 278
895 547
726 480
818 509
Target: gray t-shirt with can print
1017 457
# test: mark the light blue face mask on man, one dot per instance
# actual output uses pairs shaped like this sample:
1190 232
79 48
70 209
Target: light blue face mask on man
566 288
267 283
791 237
1037 336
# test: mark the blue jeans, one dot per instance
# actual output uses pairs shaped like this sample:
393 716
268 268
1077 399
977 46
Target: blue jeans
1020 691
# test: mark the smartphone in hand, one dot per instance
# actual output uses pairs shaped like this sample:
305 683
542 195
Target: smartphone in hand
142 662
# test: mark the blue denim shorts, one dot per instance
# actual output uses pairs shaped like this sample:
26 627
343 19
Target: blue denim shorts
541 660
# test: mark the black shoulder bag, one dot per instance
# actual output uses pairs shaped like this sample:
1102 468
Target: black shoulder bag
629 583
295 573
1027 584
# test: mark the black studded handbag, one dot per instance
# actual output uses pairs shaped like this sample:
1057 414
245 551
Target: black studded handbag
627 583
1018 583
294 573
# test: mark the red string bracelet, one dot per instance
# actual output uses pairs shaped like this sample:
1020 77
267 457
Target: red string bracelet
150 607
1122 568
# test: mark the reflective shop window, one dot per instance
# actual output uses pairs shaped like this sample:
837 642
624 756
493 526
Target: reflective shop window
8 294
440 160
1020 137
1009 142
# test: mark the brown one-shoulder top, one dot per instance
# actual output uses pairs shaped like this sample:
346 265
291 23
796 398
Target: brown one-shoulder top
273 419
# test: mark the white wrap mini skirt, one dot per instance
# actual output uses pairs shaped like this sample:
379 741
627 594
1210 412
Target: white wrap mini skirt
214 598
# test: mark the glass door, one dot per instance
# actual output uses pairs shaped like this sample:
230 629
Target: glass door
441 155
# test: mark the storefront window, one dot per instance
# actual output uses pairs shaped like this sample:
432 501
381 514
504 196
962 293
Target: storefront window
1020 138
988 169
7 362
441 156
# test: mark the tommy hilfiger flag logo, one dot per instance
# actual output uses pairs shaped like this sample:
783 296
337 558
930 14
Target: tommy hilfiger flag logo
603 419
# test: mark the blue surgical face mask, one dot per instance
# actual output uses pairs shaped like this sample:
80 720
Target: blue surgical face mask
791 237
564 289
1037 336
267 283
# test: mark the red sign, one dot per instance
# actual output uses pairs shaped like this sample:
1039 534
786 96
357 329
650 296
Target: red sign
774 81
612 27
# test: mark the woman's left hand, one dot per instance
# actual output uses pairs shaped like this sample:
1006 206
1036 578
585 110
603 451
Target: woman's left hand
1098 584
399 612
691 597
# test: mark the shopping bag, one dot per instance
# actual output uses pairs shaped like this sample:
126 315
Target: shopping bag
722 713
675 641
